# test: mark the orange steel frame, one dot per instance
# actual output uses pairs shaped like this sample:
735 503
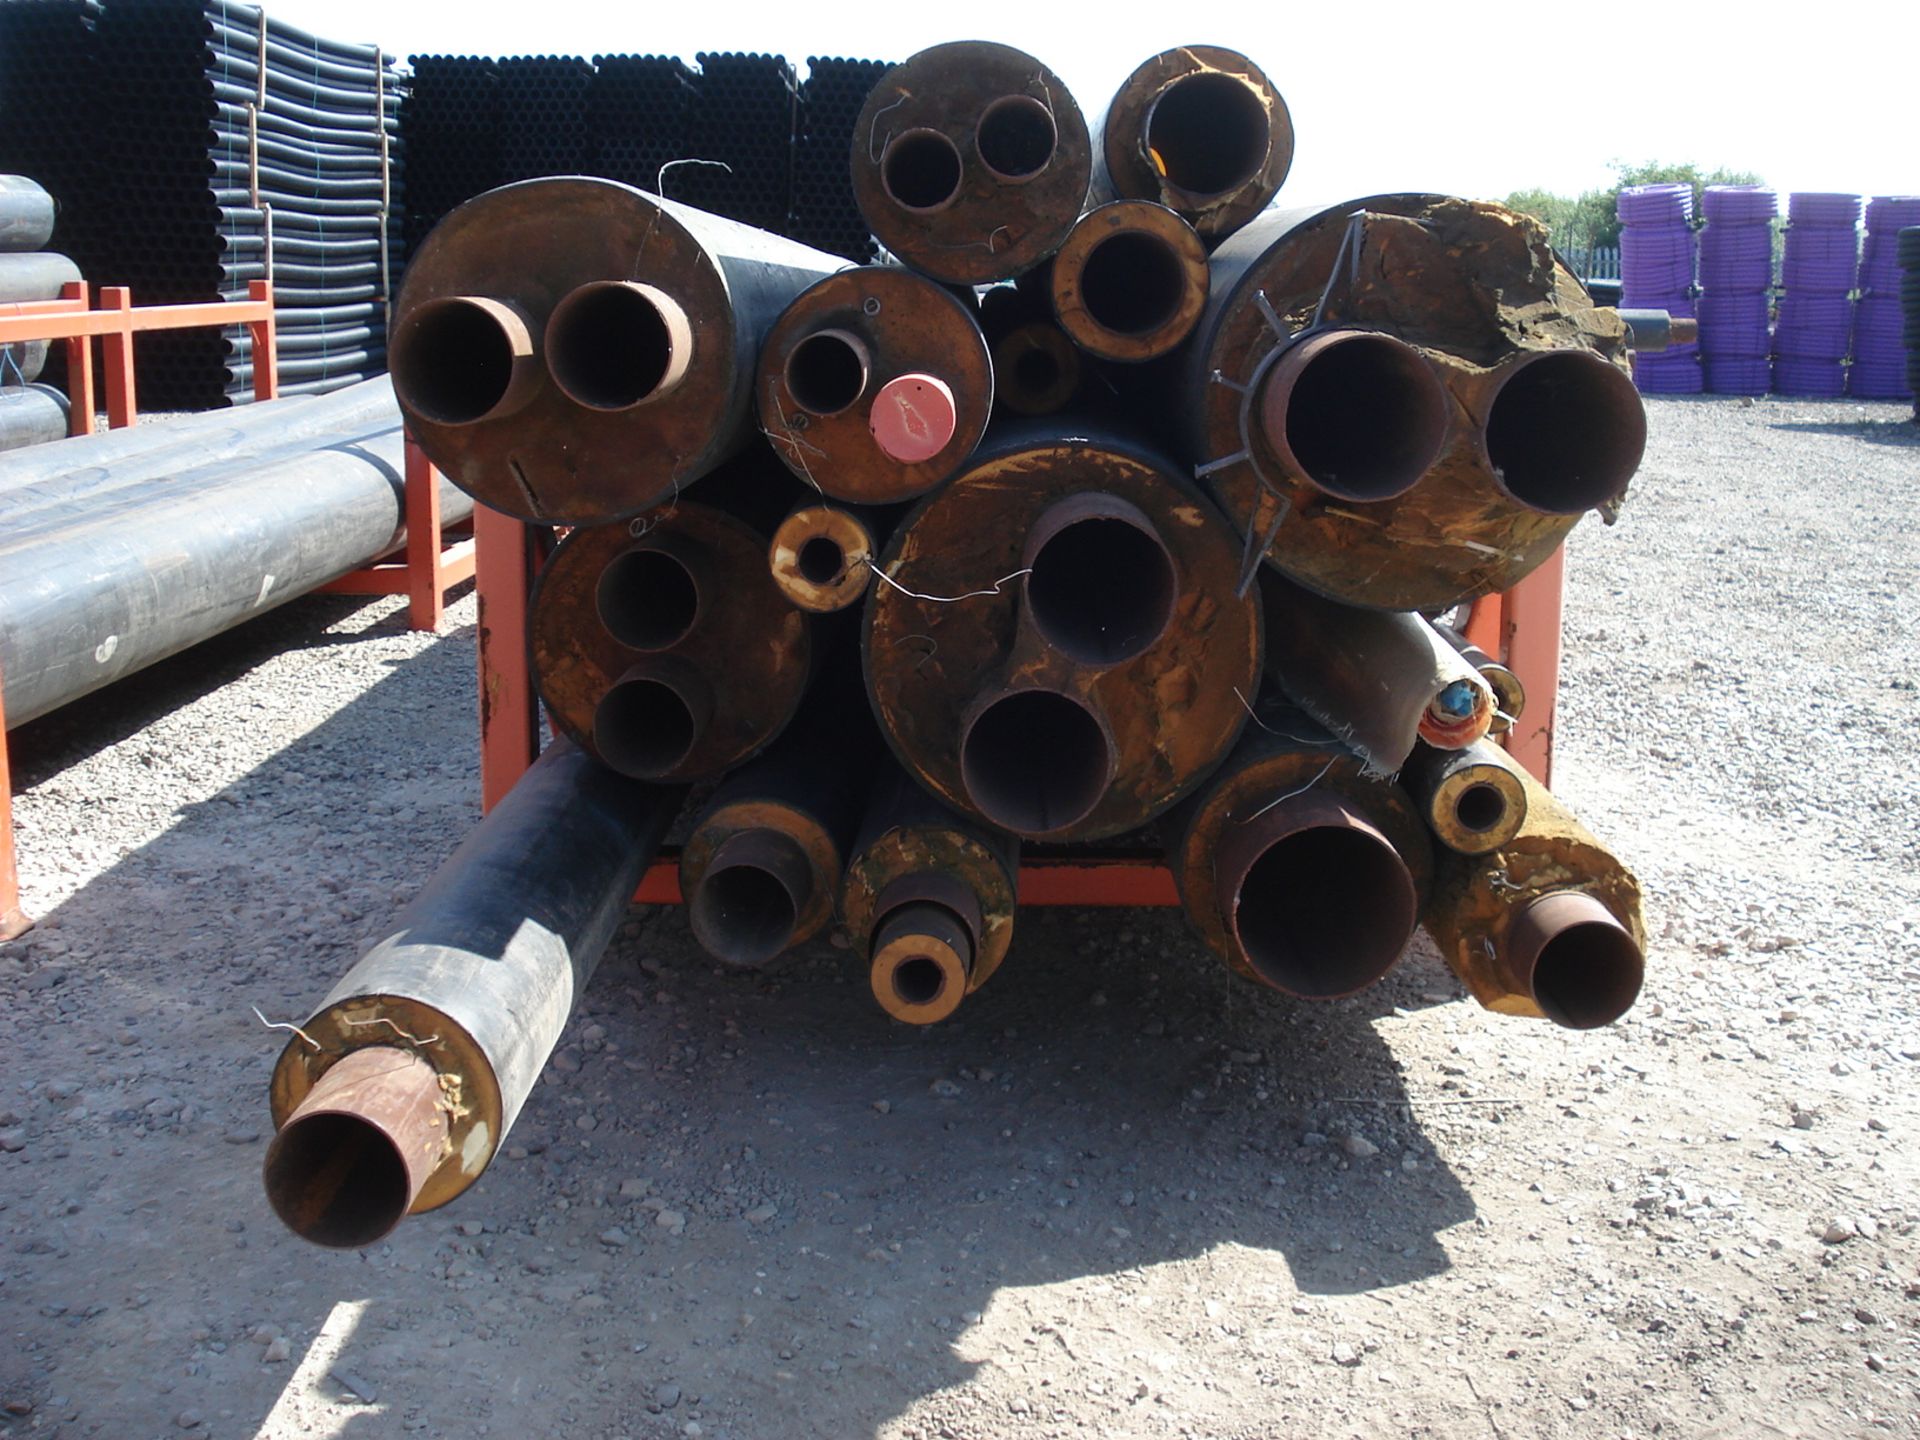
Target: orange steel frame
1520 627
427 565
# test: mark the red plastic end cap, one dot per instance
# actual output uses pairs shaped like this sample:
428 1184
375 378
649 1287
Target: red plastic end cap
913 418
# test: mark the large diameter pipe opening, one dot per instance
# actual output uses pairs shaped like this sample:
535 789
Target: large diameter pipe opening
1016 137
921 170
748 901
1565 432
827 372
1585 968
1102 585
1208 133
1133 283
1323 910
648 599
347 1166
648 722
459 359
1360 416
1036 761
614 344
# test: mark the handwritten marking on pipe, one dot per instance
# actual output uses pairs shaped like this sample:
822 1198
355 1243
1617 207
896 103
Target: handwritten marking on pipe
103 652
266 587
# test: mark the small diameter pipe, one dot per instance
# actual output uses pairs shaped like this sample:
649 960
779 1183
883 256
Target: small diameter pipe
922 961
1357 414
458 1008
1130 282
1474 799
745 908
1101 585
650 720
1580 965
615 344
1035 761
1564 431
822 558
1317 899
1036 369
463 359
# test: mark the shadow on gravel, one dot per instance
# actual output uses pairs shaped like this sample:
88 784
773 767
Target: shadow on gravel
123 709
748 1198
1902 432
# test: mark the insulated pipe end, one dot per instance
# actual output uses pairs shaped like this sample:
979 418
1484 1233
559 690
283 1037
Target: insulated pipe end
1036 762
351 1160
922 963
1357 414
1582 967
462 359
747 903
821 557
1316 899
1036 369
1461 713
1476 808
913 418
651 719
616 344
1101 583
1564 431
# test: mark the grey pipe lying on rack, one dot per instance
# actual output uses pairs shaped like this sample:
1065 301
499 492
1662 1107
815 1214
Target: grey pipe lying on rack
31 415
35 276
22 361
147 571
26 214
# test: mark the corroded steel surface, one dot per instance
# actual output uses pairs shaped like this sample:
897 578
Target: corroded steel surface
750 646
1168 713
906 325
548 457
1472 286
1235 115
946 211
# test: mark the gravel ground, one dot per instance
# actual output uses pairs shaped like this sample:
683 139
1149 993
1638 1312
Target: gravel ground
1123 1193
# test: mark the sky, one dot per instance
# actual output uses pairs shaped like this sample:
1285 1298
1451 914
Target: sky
1469 99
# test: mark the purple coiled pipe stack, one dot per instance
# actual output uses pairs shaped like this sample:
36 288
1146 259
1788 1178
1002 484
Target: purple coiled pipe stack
1879 369
1656 273
1816 306
1736 276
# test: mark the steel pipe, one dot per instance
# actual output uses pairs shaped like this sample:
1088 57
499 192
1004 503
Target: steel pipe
1563 431
26 214
971 162
1509 694
929 899
665 648
1037 369
1296 866
1059 647
1130 281
821 557
1199 129
1547 926
31 415
458 1008
1474 799
22 361
36 275
603 435
875 385
1475 289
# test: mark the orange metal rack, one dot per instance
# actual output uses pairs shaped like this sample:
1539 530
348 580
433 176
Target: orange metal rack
1520 627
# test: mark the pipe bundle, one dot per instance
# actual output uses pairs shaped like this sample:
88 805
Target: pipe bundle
1879 368
1115 514
1736 284
1817 276
30 414
1656 273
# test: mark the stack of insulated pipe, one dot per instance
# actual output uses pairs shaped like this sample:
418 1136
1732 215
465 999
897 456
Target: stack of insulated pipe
1908 253
451 122
1189 626
1817 277
825 215
226 125
1736 281
637 111
542 112
1656 273
1878 371
30 414
49 53
740 132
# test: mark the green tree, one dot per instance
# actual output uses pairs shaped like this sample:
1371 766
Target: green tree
1591 219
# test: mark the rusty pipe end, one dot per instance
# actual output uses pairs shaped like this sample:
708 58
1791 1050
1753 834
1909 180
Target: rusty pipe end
616 344
1357 414
1564 431
1035 761
920 171
1208 133
747 903
821 557
1016 137
921 963
462 359
1317 900
1131 281
650 719
828 371
1101 583
1036 368
1582 967
351 1160
650 596
913 418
